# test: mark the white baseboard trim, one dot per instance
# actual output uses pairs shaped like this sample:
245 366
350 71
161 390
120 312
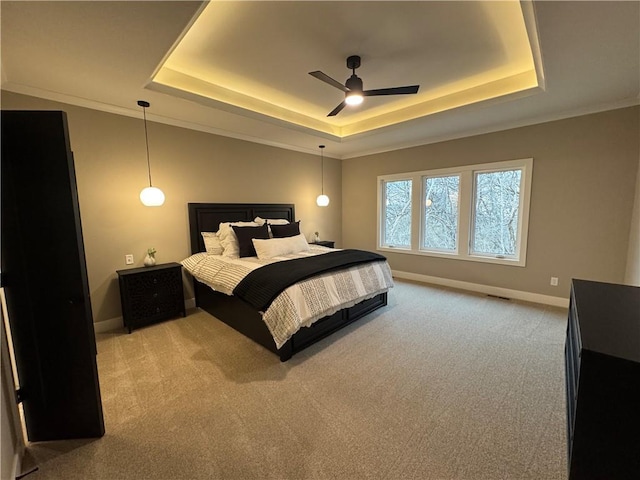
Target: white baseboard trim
16 468
113 324
109 325
487 289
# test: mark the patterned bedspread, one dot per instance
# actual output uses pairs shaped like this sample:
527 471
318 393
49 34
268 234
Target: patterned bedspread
302 303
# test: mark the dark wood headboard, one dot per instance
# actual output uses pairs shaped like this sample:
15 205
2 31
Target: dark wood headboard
206 217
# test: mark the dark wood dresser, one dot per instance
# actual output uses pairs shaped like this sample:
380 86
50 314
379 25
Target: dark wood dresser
151 294
602 366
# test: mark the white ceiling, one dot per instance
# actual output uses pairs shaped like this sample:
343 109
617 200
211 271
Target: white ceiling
240 69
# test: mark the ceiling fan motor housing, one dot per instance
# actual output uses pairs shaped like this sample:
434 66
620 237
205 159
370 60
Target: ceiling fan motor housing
354 83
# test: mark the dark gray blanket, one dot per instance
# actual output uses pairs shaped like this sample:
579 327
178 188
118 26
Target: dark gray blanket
264 284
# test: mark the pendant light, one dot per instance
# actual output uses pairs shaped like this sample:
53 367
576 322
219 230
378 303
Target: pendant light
322 199
150 196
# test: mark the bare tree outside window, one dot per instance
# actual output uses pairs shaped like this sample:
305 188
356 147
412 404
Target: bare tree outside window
441 213
397 213
495 222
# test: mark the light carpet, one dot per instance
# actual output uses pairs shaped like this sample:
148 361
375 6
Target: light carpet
440 384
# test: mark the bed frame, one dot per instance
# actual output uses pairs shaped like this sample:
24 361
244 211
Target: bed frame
205 217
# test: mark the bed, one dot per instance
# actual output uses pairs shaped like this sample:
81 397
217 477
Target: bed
206 217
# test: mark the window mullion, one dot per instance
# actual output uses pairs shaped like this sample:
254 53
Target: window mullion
416 213
466 209
525 202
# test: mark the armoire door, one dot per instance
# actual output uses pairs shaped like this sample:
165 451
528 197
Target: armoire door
45 279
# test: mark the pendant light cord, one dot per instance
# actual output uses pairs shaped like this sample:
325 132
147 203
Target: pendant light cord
146 139
149 196
322 168
144 104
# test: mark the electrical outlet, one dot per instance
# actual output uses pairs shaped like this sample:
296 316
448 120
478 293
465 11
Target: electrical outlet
554 281
128 259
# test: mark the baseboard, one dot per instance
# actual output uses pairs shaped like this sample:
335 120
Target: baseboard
16 468
487 289
190 303
113 324
109 325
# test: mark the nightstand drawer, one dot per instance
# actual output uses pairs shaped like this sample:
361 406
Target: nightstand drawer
155 283
148 306
151 294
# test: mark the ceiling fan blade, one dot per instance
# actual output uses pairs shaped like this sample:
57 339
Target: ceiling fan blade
327 79
392 91
337 110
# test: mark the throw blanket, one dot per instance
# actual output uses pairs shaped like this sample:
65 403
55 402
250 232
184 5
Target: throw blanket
260 287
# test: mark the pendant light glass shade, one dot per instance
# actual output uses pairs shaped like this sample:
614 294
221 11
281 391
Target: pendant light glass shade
149 196
322 200
152 197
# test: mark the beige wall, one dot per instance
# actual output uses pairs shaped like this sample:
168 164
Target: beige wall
189 166
584 180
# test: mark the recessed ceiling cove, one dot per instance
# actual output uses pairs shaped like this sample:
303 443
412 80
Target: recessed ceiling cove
254 59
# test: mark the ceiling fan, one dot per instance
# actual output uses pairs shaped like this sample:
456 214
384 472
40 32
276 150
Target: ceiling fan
353 87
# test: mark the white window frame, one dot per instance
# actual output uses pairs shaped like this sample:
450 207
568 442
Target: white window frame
382 197
466 205
423 213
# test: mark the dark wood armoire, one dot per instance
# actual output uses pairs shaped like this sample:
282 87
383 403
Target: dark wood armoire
44 276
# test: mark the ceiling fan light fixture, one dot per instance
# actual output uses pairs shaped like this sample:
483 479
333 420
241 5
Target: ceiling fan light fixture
354 98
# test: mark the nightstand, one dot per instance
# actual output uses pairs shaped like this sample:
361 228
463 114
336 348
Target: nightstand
151 294
324 243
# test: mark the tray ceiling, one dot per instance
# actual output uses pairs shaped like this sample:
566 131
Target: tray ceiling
240 68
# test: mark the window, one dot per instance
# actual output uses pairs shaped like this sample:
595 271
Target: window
441 213
397 213
476 212
495 213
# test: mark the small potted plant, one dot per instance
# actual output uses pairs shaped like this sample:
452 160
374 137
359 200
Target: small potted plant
316 237
150 259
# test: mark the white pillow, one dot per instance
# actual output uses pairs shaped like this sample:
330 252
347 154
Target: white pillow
275 247
212 243
272 221
228 238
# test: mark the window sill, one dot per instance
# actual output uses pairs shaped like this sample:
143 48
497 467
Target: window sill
455 256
